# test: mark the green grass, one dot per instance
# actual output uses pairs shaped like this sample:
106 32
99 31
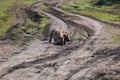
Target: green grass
106 13
44 23
28 2
6 18
85 1
7 15
102 48
44 7
115 34
31 29
99 15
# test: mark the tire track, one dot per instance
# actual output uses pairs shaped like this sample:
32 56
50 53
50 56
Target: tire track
71 74
55 56
61 54
65 52
76 70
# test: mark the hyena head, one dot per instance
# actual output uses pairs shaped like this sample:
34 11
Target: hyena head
66 38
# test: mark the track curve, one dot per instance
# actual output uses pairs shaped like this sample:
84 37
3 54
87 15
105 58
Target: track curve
44 61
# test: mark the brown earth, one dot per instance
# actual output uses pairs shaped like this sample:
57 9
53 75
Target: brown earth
79 60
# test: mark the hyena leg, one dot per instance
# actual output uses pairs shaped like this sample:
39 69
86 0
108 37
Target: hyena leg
56 41
61 41
64 42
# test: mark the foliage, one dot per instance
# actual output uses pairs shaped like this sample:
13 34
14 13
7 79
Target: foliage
44 23
115 34
7 15
7 18
44 7
31 29
101 12
27 2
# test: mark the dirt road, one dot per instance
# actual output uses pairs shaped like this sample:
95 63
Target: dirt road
40 60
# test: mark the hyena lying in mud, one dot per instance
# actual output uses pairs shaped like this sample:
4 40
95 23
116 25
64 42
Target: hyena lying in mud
59 37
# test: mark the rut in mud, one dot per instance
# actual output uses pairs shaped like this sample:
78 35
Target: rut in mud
41 60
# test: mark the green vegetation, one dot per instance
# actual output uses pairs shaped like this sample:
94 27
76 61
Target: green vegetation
115 34
8 8
7 15
44 7
78 34
102 48
7 18
44 23
108 13
31 29
99 15
27 2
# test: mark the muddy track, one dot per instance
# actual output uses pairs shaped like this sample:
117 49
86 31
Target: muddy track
105 22
41 60
58 3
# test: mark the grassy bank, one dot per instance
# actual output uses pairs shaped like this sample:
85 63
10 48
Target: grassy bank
107 13
31 29
7 15
115 34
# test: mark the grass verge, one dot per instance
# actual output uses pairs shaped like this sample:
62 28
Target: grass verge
31 29
7 15
107 13
115 34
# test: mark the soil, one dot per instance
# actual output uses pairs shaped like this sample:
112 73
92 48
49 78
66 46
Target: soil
79 60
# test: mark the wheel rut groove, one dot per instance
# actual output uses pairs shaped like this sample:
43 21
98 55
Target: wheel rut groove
57 62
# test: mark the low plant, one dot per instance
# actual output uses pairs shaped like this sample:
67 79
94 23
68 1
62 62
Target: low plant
99 12
31 29
7 13
115 34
